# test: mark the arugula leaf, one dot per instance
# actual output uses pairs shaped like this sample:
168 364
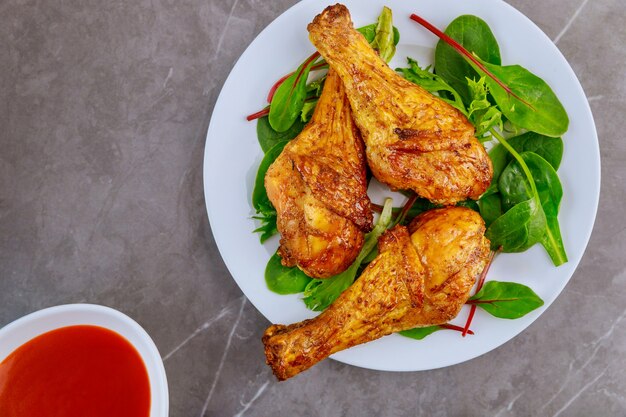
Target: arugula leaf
307 110
268 137
481 112
320 293
506 300
420 333
476 36
268 226
284 280
431 83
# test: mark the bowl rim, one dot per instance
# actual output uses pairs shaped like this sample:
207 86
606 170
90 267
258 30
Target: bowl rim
42 321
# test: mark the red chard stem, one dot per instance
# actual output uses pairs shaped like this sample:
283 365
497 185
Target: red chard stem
259 114
460 49
278 83
454 327
481 281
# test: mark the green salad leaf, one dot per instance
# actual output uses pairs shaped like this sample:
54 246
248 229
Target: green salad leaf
268 137
532 106
474 34
420 333
284 280
289 98
515 188
506 300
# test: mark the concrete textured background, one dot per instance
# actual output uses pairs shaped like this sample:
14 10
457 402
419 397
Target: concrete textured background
104 108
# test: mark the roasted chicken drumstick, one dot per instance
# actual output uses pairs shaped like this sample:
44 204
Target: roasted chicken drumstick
417 280
319 189
413 139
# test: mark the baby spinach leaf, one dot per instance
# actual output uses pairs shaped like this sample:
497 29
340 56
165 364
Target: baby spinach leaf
269 137
432 83
519 228
266 213
530 104
289 98
515 187
260 201
506 300
320 293
284 280
498 155
420 333
476 36
549 148
490 208
524 98
470 204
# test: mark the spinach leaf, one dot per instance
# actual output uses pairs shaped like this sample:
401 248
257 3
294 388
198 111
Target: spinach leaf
476 36
549 148
289 98
490 208
530 104
420 333
519 228
498 155
269 137
506 300
515 187
432 83
320 293
523 98
260 201
284 280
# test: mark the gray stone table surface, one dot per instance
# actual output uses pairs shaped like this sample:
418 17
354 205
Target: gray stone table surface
104 107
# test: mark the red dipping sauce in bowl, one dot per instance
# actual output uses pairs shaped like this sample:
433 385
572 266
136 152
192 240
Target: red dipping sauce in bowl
75 371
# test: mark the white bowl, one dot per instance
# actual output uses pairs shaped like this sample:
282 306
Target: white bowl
26 328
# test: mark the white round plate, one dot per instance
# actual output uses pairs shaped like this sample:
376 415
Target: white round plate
15 334
232 156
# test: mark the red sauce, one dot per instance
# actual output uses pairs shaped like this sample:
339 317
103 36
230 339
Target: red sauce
75 371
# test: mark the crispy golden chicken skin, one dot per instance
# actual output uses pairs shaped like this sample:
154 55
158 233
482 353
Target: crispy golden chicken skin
417 280
318 186
413 139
